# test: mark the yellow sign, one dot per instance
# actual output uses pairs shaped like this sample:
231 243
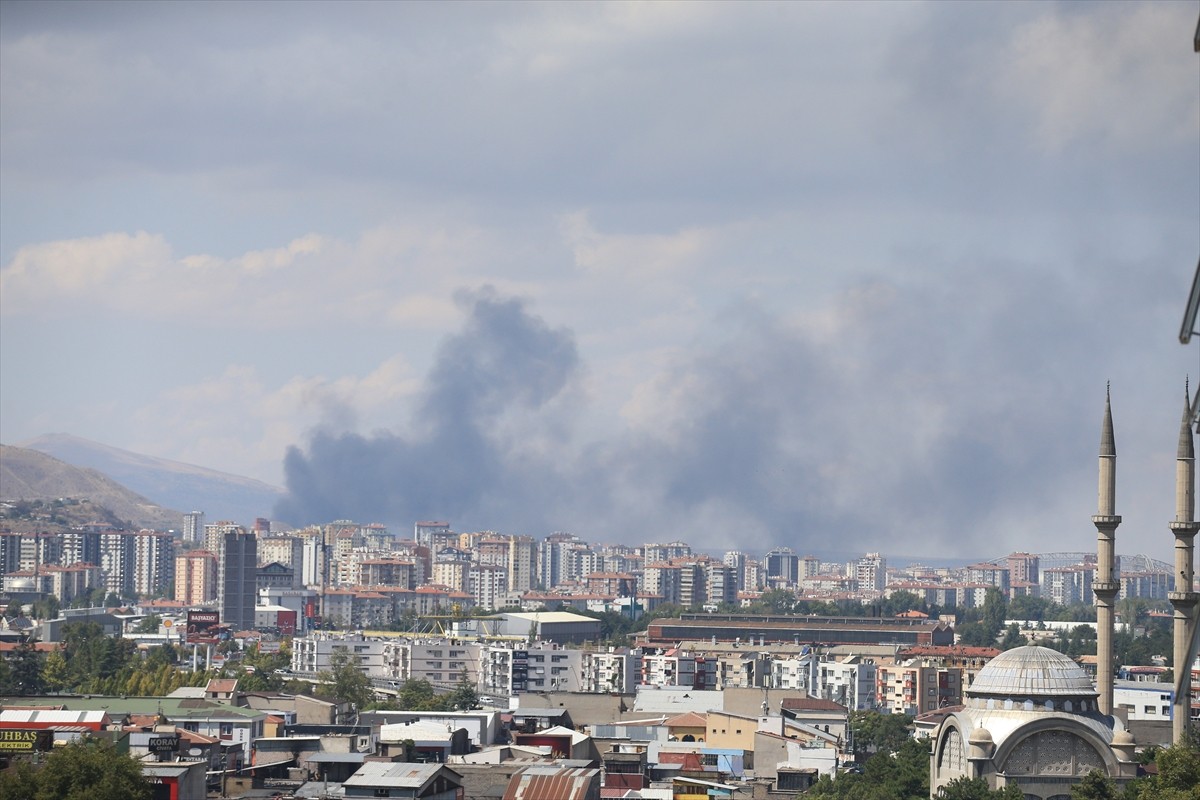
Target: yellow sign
23 741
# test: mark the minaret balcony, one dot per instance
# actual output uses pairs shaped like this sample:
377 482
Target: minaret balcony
1106 519
1182 598
1184 528
1106 587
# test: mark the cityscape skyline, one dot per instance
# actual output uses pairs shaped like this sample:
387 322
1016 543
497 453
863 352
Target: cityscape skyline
774 272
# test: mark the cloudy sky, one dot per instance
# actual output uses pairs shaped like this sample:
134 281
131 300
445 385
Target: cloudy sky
840 276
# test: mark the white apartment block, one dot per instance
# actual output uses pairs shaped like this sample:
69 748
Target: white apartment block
674 667
442 662
544 667
117 561
662 580
451 573
850 683
286 550
870 572
991 575
797 673
488 585
721 584
615 670
153 561
314 653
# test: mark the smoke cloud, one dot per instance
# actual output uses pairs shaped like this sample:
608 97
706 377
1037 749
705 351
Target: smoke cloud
913 417
503 365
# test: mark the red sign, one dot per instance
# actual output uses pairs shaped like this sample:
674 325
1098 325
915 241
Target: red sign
203 626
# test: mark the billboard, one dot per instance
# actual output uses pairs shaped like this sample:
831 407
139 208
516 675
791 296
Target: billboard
203 627
22 741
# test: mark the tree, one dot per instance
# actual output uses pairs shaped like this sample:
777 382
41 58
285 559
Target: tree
902 775
777 601
875 732
149 624
965 788
1178 775
56 675
901 601
416 695
19 782
1013 637
26 669
976 634
46 608
345 680
1095 786
88 769
464 697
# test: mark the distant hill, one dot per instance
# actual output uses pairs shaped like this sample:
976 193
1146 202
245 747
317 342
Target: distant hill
30 475
184 486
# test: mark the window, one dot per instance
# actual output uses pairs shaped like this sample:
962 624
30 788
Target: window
1149 709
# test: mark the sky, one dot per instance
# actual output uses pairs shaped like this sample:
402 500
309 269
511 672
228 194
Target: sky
843 277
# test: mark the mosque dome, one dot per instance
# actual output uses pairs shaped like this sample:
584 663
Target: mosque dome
1032 672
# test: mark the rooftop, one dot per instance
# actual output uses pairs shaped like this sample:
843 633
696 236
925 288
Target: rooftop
1032 671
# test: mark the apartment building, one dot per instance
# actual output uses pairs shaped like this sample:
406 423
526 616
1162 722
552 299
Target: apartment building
913 688
196 577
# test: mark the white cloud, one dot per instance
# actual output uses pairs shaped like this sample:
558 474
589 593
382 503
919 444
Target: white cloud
399 277
1086 77
89 266
243 423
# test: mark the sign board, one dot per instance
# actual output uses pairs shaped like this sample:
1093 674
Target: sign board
163 744
203 626
25 741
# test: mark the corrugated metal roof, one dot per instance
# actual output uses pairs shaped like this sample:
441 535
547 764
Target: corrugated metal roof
551 783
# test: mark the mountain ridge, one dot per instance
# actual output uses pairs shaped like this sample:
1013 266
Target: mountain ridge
174 484
29 475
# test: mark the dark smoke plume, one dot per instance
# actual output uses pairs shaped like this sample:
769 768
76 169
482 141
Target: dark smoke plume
503 362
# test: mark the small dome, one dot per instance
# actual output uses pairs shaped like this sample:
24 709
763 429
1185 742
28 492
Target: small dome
1032 671
980 736
1122 738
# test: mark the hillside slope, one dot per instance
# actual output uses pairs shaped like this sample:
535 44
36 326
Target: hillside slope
184 486
30 475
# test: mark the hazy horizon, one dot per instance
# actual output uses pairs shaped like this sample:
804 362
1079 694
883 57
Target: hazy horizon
757 272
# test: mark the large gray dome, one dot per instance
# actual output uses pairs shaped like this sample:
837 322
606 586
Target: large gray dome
1032 672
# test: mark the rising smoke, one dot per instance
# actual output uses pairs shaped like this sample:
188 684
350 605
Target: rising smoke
908 415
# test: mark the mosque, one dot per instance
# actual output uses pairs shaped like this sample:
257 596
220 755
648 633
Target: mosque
1032 717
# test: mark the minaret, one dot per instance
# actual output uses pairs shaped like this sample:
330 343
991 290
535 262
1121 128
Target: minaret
1105 585
1183 599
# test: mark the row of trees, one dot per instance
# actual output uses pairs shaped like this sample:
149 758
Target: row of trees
92 663
89 769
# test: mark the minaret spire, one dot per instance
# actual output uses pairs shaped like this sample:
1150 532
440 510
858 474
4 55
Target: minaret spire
1105 585
1183 599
